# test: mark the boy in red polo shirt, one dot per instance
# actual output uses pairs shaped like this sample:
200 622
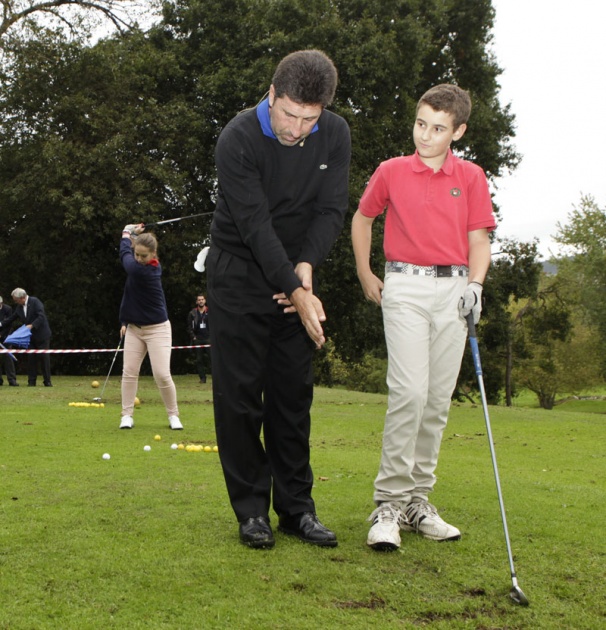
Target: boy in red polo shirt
439 214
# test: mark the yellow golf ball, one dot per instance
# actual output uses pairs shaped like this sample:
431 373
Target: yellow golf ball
216 449
157 437
181 447
95 384
207 449
137 401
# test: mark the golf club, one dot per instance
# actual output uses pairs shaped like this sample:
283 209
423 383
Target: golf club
12 356
100 398
191 216
516 592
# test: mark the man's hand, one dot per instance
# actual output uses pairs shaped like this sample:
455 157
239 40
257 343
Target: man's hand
311 312
304 272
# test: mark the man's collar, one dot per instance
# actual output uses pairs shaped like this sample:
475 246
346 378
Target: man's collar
265 121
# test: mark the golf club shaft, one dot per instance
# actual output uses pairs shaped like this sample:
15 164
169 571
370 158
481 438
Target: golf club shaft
191 216
12 356
473 341
110 368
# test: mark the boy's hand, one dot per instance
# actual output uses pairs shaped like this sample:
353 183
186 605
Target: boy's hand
372 287
471 302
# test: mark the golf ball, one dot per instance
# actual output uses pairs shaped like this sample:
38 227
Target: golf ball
95 384
174 447
157 438
147 448
106 456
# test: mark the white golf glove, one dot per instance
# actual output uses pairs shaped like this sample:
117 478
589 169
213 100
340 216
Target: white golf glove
471 302
199 265
130 229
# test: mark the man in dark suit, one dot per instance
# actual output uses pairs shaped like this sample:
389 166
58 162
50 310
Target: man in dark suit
30 311
9 364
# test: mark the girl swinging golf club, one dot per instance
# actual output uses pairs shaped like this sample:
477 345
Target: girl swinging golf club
145 325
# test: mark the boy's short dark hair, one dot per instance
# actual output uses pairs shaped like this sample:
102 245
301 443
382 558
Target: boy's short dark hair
450 99
307 77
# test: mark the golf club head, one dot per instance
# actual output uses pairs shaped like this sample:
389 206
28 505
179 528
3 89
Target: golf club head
518 596
96 400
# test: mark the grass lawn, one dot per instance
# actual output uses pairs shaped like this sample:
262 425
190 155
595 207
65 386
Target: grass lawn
148 539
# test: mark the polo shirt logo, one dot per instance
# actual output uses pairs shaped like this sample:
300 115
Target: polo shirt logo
323 167
455 192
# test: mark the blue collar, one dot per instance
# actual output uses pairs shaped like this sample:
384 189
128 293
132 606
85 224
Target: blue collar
264 120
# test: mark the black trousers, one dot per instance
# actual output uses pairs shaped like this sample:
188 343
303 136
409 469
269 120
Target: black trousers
9 368
262 383
32 362
202 358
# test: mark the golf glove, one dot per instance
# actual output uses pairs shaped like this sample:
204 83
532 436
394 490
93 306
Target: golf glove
471 302
199 265
130 229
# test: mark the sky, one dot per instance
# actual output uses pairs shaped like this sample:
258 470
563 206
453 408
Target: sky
553 57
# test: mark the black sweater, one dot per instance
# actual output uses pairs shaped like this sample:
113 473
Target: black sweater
281 205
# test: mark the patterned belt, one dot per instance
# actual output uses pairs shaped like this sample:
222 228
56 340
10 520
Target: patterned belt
434 271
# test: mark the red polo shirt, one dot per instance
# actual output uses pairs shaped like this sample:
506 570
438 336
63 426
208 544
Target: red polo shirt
429 214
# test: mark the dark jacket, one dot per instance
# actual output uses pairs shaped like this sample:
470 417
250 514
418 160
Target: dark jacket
36 316
197 324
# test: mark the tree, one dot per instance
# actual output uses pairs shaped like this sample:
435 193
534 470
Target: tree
121 14
512 277
561 355
583 263
94 137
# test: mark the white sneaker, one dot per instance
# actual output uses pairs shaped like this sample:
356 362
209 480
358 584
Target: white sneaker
175 423
127 422
384 535
422 517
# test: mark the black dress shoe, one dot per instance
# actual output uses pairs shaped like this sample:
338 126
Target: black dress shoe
256 533
308 528
49 384
14 384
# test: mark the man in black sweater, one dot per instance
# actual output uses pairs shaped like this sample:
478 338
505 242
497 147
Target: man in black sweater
283 195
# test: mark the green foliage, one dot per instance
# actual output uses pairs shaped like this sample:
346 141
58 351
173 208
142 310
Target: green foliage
583 267
95 137
368 375
513 276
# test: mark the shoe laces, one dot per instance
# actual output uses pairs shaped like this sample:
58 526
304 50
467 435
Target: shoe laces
417 511
386 513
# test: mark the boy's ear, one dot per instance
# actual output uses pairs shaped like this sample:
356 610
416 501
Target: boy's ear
459 131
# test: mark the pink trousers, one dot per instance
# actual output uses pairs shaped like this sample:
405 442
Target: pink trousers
157 341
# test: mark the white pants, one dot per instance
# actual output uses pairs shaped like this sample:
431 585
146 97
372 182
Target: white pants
157 341
425 342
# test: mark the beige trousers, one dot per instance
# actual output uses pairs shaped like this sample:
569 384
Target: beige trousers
425 342
157 341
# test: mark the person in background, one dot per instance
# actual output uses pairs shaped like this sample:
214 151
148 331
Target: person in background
145 325
439 214
283 194
9 363
197 326
30 312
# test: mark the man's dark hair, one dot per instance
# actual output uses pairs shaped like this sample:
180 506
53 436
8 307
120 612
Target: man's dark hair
307 77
